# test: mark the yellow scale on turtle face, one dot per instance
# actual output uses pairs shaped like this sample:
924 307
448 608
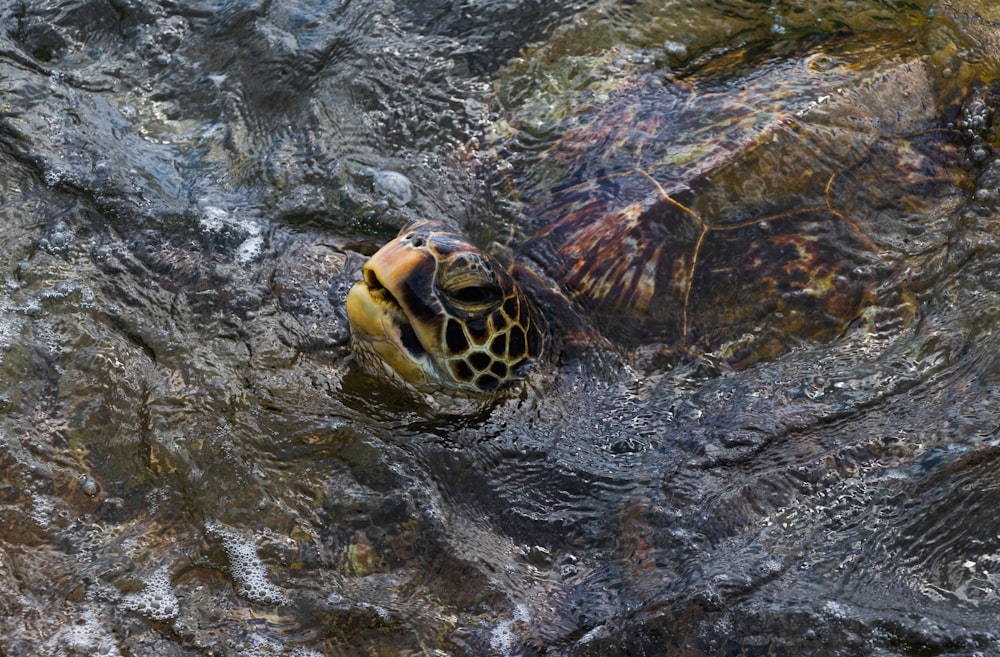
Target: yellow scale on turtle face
432 311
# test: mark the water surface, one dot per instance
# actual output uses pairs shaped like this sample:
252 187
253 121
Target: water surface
193 464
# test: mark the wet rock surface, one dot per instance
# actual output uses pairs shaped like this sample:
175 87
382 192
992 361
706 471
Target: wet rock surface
192 464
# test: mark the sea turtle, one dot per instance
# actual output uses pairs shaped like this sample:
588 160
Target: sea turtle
756 199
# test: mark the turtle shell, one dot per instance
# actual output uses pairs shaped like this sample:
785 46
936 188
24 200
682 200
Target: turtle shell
759 198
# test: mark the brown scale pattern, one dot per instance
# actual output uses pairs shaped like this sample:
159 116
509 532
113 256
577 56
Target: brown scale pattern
486 352
703 219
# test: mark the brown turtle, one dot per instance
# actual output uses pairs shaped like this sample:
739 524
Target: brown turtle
758 199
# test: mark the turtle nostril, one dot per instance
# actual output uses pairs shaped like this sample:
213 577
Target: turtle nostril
376 289
371 280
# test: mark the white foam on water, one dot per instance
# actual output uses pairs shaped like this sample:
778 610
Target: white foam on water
260 646
384 615
42 508
502 638
247 569
249 249
599 632
156 601
214 219
87 635
10 325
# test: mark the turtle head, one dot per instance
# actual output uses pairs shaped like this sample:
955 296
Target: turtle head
435 313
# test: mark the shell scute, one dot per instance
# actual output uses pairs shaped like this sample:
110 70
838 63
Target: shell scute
761 192
905 191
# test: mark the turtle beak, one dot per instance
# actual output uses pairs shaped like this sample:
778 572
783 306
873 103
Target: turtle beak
379 322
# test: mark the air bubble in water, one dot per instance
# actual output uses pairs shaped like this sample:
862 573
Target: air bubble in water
247 569
156 601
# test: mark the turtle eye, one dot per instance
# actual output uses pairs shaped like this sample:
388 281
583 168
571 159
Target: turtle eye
475 295
469 283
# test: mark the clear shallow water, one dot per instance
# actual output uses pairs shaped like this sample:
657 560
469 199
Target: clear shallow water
193 466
